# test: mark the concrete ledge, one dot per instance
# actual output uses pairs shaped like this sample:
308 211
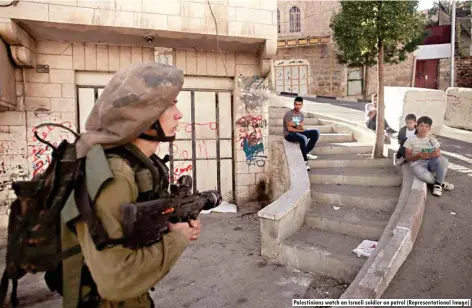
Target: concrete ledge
285 216
395 243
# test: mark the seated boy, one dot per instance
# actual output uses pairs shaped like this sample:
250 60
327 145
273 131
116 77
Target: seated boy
371 116
422 151
405 132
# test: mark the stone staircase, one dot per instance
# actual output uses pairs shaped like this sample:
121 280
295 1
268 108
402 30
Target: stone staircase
353 199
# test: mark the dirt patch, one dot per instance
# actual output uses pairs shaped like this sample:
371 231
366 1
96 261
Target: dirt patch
325 287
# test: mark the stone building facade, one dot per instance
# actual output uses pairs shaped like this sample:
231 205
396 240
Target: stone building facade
57 56
306 60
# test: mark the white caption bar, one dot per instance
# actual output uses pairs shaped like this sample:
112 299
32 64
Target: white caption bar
381 302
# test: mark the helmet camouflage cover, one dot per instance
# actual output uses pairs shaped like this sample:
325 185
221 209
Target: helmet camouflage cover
132 101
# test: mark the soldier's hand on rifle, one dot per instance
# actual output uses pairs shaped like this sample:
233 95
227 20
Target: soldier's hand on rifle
195 225
183 227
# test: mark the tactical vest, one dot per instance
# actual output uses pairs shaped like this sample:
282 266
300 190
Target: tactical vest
152 179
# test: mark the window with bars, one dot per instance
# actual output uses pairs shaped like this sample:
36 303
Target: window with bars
295 19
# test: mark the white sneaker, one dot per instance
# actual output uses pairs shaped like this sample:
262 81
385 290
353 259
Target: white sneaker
310 156
448 186
437 190
307 166
399 161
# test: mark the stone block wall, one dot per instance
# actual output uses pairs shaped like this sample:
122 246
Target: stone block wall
459 108
51 97
326 77
315 17
464 72
395 75
244 18
251 112
444 79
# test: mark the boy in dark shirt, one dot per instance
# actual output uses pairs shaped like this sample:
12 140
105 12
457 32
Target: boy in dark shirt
405 132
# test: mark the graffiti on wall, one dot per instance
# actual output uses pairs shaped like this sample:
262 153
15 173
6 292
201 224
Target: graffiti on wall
182 152
253 95
254 92
39 154
251 138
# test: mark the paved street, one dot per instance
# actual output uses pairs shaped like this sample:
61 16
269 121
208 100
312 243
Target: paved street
440 264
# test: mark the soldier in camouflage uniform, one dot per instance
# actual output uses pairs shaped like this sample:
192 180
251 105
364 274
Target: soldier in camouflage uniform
138 110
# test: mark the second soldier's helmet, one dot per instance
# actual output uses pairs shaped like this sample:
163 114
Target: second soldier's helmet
131 104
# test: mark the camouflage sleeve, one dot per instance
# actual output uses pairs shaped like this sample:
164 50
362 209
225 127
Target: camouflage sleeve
121 273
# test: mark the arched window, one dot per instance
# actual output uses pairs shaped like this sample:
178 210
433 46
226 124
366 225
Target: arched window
295 19
278 21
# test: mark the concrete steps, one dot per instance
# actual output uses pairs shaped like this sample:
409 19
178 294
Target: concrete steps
280 113
278 130
353 198
341 148
278 121
323 252
359 222
353 160
356 176
371 198
335 137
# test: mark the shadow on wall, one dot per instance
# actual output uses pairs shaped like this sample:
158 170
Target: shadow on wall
263 193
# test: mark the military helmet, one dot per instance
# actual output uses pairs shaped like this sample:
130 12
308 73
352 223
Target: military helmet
131 104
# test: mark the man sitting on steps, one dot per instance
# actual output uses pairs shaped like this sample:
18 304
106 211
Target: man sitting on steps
371 116
294 131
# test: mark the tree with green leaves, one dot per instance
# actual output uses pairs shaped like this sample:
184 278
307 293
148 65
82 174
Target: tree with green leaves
373 33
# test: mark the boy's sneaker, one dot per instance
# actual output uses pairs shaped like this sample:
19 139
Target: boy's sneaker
310 156
307 166
437 190
448 186
399 161
390 130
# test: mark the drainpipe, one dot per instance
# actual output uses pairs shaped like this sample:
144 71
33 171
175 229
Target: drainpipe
414 72
453 41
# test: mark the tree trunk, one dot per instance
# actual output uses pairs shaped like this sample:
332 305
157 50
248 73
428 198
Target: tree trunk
365 90
380 135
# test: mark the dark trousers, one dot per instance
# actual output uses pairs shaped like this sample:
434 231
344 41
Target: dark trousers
307 140
372 123
401 152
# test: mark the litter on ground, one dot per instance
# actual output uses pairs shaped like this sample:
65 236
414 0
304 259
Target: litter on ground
365 248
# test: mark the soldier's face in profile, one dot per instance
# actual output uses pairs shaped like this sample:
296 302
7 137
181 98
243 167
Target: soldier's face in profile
170 119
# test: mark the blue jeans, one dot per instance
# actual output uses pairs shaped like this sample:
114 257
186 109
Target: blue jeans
423 169
307 140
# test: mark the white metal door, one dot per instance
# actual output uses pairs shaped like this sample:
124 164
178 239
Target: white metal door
204 145
292 77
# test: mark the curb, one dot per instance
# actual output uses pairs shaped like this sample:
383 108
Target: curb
398 237
395 243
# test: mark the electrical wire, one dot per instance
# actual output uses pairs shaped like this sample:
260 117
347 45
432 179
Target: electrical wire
217 41
14 3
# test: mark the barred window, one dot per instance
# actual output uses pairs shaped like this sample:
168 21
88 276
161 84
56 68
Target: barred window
295 19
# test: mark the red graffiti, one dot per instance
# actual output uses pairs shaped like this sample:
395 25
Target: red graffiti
178 172
188 127
40 153
251 121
